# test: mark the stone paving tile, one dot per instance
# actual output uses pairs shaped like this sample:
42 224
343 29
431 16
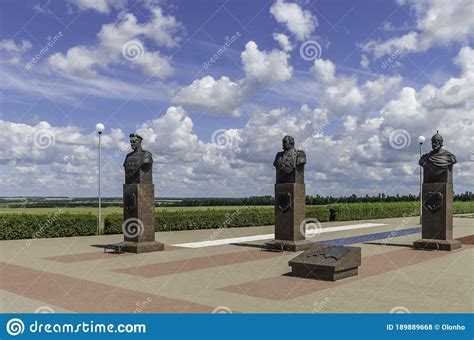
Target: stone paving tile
84 296
181 266
94 255
285 287
84 279
466 239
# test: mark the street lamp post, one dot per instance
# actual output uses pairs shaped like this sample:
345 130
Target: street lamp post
99 128
421 140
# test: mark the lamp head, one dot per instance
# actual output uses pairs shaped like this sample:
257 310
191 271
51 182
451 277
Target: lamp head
100 128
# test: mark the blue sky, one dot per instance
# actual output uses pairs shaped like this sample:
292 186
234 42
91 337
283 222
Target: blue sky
383 70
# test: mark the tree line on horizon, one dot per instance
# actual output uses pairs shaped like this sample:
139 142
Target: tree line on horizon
310 200
468 196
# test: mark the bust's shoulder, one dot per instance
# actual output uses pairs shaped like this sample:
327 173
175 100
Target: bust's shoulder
147 155
279 154
450 156
424 158
428 154
129 154
447 152
301 153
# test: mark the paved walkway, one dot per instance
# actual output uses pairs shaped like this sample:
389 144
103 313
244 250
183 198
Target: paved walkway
226 271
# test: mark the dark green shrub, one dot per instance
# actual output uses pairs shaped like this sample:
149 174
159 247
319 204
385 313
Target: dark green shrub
365 211
30 226
171 220
463 207
113 223
321 212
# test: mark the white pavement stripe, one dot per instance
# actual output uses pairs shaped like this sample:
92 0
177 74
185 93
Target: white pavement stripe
225 241
202 244
348 227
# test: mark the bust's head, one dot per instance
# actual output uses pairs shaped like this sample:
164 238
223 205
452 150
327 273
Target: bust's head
288 143
436 141
135 141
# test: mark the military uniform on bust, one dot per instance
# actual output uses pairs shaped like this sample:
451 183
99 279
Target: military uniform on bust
289 166
138 164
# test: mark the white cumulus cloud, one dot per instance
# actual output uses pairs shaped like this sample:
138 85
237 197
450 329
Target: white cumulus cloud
101 6
284 41
224 96
438 23
301 23
115 40
218 97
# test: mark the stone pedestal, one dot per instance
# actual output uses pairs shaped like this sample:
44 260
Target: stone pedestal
327 263
139 219
289 218
437 217
433 244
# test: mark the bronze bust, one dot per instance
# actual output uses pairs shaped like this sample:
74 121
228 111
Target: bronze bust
438 163
289 163
138 163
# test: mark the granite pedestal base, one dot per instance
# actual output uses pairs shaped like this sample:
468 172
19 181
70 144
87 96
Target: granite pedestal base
289 218
139 219
285 245
327 263
142 247
437 218
431 244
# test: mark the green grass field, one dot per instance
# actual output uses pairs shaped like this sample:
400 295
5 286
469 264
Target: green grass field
105 211
110 210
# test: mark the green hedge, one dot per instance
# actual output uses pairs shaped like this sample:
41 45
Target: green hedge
321 212
31 226
463 207
212 218
258 216
366 211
